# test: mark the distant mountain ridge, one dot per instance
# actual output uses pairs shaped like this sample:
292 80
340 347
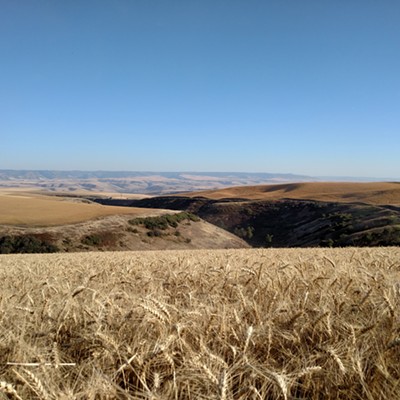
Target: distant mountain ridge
146 182
78 174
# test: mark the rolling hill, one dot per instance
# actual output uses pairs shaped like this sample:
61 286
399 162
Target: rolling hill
297 215
344 192
36 223
301 214
33 210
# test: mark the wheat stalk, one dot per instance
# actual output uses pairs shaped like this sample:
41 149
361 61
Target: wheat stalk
161 306
40 364
210 374
309 370
250 331
155 312
35 384
223 385
389 305
338 361
8 388
56 355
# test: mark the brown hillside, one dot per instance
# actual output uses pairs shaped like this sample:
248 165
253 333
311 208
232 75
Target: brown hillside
370 193
114 233
29 209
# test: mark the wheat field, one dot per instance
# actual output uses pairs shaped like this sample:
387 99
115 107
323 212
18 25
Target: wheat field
26 209
229 324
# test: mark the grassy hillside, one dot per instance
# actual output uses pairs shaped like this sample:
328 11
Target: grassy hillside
32 223
120 232
244 324
348 192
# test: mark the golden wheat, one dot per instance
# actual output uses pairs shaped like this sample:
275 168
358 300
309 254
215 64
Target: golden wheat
237 324
9 389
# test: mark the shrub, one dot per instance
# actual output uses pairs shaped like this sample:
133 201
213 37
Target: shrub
25 244
91 240
327 243
244 233
162 222
248 211
154 233
268 239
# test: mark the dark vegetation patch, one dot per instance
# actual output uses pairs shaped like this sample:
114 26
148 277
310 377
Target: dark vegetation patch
154 233
164 221
101 239
163 225
26 244
155 225
91 240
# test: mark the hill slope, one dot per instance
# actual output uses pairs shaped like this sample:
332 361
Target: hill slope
280 221
117 233
36 223
29 209
347 192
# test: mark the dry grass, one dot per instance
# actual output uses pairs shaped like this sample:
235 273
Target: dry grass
115 233
370 193
237 324
32 210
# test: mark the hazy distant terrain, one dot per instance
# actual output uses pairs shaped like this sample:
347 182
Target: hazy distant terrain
136 182
149 183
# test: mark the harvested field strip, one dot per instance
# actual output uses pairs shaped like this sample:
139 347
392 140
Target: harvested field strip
51 211
237 324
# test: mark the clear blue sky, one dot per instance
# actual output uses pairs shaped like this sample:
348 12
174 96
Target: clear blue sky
301 86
